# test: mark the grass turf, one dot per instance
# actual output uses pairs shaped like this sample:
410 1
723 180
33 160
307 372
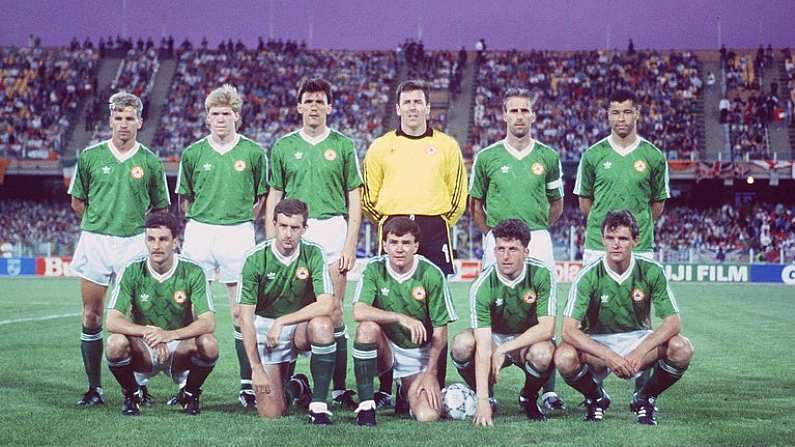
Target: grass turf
738 391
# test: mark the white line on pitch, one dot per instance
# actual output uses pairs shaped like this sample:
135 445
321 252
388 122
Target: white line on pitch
48 317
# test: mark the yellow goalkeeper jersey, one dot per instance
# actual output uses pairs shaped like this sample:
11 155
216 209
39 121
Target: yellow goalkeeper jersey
422 175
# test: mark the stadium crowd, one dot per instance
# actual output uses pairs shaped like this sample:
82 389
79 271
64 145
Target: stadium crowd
362 80
572 87
746 110
38 227
39 95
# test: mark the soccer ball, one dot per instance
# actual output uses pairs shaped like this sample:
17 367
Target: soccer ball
458 402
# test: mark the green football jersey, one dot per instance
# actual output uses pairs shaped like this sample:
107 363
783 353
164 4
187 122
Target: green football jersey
318 173
614 181
517 187
280 285
513 306
420 293
118 188
169 301
223 187
608 303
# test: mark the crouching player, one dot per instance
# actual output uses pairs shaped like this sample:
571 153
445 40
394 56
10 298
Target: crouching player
607 325
161 318
403 306
286 300
512 306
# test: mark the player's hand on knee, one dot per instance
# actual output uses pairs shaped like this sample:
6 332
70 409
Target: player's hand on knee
272 338
153 335
619 366
483 416
259 380
635 361
427 384
497 360
418 333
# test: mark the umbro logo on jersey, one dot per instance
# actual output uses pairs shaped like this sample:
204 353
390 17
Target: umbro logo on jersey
207 166
144 297
607 165
106 170
385 291
604 299
499 302
271 276
298 155
505 169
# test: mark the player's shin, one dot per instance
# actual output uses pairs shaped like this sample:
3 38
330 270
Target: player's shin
663 377
91 348
242 359
466 369
322 368
201 367
583 381
365 366
123 372
341 366
534 379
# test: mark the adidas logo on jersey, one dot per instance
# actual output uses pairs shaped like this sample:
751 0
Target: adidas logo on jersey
604 299
499 302
207 166
607 165
144 297
385 291
298 155
271 276
106 170
505 169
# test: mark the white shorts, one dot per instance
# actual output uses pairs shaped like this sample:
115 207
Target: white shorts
589 256
409 361
513 356
284 352
328 233
219 247
164 366
622 344
99 258
540 248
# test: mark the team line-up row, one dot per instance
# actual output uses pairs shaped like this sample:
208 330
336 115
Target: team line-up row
413 184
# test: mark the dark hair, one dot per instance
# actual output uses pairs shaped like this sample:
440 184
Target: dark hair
163 219
315 85
512 229
624 95
413 85
400 226
517 93
621 218
290 208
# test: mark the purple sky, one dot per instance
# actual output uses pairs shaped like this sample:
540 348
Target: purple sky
360 24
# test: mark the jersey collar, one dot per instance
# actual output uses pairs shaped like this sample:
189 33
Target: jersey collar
615 276
428 133
286 260
624 151
165 276
401 278
314 141
511 282
223 149
121 158
516 153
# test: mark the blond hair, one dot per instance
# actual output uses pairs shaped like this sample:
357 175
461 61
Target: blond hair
224 96
121 100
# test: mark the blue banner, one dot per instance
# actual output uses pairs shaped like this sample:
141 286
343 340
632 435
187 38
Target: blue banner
773 273
17 266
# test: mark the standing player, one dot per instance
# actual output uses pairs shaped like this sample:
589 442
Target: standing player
116 182
417 171
222 184
623 170
607 325
162 319
286 302
403 306
319 166
512 306
519 178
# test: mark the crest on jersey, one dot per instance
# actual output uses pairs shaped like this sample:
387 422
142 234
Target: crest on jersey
330 155
640 165
180 296
430 150
638 295
301 273
418 293
240 166
530 297
537 168
137 172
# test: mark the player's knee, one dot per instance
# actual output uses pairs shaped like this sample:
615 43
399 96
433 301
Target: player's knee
92 315
321 330
367 332
541 354
117 347
269 405
207 346
464 346
566 358
426 414
680 349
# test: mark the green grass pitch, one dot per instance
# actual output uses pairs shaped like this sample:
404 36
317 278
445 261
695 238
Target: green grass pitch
738 391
